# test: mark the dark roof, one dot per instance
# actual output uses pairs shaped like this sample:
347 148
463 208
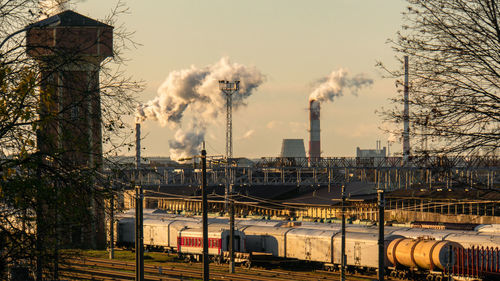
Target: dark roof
256 191
447 194
71 18
354 191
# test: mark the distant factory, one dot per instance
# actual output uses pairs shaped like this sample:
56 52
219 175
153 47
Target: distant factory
378 152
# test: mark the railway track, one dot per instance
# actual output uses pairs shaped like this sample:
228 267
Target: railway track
102 269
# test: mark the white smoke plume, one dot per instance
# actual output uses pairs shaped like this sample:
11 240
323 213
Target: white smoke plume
186 144
49 8
336 83
197 89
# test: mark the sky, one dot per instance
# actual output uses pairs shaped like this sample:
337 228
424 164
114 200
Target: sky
292 43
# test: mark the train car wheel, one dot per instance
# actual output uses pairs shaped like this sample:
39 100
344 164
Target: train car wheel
438 278
430 277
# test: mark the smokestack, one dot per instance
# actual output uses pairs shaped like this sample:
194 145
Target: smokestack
314 131
406 116
137 145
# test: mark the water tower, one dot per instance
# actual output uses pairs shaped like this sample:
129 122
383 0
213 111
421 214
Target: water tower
70 54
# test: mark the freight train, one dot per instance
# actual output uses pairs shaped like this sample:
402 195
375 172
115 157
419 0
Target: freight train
409 253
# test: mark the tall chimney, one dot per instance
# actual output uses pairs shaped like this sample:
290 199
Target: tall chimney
406 116
314 131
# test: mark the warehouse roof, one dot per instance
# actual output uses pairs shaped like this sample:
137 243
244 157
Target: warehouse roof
450 194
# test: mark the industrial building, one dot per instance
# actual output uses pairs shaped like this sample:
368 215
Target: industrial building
378 152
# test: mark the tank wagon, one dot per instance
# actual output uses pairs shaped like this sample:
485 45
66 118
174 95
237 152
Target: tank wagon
410 257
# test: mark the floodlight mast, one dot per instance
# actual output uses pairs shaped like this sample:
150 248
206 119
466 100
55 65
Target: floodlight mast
229 88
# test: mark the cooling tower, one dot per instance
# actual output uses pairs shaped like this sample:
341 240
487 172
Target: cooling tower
293 148
314 131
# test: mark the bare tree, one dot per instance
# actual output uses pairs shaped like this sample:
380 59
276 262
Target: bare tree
49 196
454 51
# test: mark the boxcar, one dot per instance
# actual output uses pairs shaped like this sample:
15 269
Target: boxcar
361 249
310 244
266 239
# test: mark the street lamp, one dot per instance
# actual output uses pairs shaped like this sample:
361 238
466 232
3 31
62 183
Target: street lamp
52 21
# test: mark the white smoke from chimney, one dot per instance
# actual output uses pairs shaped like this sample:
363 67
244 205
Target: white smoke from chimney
197 89
336 83
186 144
49 8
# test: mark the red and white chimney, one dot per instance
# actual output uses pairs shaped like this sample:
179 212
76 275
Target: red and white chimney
314 131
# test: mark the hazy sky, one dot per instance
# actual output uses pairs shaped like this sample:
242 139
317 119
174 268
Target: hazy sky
293 43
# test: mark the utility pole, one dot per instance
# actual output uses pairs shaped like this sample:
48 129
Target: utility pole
139 236
204 207
112 222
342 254
139 219
231 233
229 88
381 239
